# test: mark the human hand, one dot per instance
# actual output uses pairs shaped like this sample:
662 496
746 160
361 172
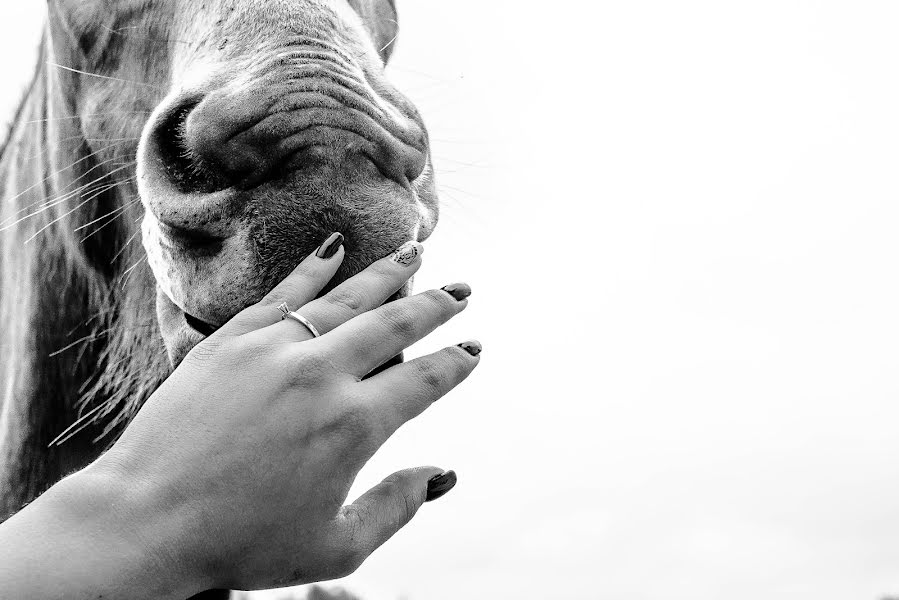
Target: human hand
236 470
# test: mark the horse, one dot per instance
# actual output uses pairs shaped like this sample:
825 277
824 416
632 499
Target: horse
170 162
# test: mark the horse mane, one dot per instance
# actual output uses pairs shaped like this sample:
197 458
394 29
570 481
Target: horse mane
23 99
80 350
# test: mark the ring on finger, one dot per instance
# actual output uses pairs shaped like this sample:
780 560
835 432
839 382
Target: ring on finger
286 313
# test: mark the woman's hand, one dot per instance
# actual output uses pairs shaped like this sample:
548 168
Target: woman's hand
235 472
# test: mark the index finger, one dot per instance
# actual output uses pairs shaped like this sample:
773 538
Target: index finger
358 294
301 286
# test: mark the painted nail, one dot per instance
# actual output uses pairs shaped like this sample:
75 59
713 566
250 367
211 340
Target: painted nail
406 254
459 291
473 348
331 246
439 485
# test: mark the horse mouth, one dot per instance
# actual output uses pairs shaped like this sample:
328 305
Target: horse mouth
205 329
202 327
199 330
191 240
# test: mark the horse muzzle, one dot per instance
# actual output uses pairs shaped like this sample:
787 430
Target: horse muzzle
243 179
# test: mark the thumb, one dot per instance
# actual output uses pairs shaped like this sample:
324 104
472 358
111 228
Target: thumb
386 508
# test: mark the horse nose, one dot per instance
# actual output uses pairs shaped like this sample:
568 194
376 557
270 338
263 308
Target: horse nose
243 140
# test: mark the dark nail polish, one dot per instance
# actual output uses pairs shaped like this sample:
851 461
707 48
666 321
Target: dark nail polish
473 348
438 485
331 246
459 291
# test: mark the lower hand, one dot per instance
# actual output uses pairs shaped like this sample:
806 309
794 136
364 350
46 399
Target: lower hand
235 472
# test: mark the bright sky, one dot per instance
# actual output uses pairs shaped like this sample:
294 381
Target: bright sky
680 220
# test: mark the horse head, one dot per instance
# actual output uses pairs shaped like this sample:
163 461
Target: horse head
230 137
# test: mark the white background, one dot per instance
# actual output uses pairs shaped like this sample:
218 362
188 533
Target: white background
680 220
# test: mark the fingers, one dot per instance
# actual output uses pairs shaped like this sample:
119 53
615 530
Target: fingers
364 343
301 286
359 294
403 392
385 509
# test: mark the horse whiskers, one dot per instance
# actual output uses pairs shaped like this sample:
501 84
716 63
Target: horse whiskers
126 244
422 74
93 337
459 190
98 335
444 159
393 39
54 174
92 416
127 139
111 309
109 161
67 213
48 204
88 115
107 77
130 270
83 420
102 410
115 214
83 186
112 212
45 151
76 427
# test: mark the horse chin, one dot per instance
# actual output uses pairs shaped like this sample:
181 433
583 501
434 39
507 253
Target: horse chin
180 338
202 282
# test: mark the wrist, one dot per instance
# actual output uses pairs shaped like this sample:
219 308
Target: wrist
124 522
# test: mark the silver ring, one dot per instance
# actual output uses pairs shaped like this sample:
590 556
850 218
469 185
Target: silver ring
286 313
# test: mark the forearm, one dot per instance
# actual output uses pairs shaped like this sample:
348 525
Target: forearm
80 540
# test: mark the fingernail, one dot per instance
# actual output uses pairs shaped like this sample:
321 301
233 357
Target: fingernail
439 485
406 254
331 246
459 291
473 348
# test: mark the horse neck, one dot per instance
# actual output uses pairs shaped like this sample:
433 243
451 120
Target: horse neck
61 355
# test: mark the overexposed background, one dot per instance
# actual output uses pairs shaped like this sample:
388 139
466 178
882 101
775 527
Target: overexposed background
681 221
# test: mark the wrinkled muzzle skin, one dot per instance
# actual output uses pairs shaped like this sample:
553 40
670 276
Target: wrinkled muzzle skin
272 126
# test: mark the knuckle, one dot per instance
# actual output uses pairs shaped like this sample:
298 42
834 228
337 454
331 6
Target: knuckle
309 368
432 375
408 507
350 299
399 321
230 353
440 300
273 299
402 503
354 522
356 423
385 269
285 292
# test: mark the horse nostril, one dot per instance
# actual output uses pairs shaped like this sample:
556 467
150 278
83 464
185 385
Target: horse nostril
184 167
225 140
